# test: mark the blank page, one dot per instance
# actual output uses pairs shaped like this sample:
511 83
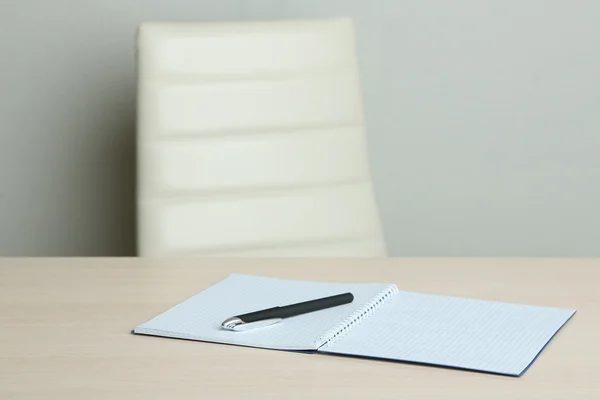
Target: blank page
455 332
200 317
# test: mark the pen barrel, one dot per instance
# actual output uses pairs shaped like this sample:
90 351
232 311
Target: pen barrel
260 315
315 305
298 309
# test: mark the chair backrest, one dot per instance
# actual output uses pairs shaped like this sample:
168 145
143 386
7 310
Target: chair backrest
251 141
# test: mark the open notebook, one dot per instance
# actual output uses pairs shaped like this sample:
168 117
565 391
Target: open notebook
382 322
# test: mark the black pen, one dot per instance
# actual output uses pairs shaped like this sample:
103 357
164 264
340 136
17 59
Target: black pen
270 316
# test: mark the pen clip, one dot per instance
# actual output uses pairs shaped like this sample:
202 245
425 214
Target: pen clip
236 324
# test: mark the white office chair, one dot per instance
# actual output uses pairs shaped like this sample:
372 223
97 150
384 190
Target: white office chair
251 141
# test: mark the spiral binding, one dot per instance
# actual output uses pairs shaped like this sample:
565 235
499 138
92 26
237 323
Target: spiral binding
356 317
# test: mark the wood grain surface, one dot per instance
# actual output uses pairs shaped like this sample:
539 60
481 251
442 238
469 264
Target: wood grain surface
65 331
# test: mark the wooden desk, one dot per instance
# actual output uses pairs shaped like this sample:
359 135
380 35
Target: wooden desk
65 332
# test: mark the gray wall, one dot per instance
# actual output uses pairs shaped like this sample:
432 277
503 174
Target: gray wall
484 121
